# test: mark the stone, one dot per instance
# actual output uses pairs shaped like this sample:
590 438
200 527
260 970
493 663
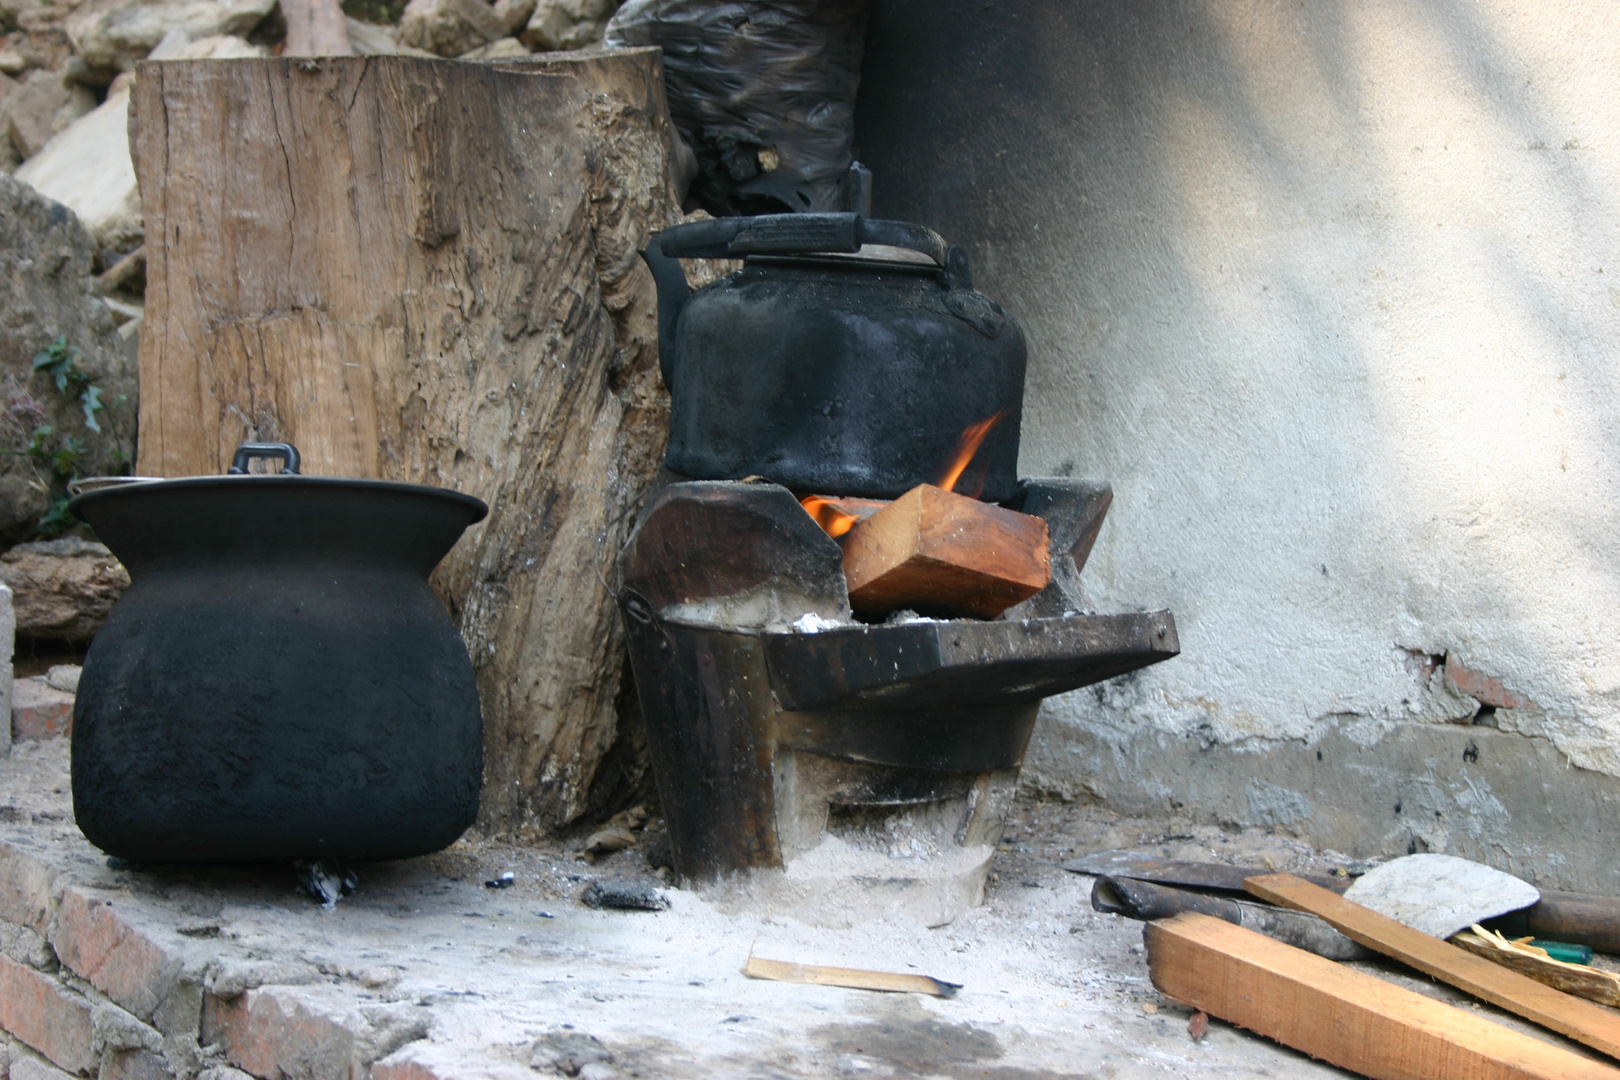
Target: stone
1440 894
26 947
41 107
87 168
47 292
27 1066
62 589
117 33
178 44
567 1053
46 1016
369 39
8 647
504 49
38 711
64 677
514 13
135 1065
567 24
115 1029
9 158
45 47
449 27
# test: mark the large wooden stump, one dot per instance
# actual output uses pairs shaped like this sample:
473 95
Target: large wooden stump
426 271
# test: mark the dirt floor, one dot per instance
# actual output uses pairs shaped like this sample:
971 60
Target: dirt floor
1050 988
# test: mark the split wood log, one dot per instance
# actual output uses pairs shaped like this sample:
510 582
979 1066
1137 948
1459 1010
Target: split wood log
1506 989
1340 1015
426 271
945 554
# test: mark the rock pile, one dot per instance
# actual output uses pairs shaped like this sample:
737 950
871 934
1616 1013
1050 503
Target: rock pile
64 67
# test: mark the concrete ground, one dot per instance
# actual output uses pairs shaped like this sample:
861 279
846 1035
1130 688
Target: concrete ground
453 978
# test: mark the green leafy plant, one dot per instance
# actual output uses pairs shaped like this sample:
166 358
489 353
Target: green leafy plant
59 456
60 361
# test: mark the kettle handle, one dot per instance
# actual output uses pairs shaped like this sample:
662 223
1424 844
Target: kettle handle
796 234
245 453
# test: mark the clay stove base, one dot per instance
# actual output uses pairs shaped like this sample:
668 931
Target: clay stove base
773 717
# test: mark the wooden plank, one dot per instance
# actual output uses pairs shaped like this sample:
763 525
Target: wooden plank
1553 1009
854 978
945 554
1340 1015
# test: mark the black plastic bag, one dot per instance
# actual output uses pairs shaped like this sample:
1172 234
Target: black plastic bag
762 92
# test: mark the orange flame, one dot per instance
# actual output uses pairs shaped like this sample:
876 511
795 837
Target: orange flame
966 447
834 521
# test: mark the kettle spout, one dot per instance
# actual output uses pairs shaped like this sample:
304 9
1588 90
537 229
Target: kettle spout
673 293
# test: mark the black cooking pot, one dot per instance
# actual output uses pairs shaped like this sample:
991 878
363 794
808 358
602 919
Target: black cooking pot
279 681
850 374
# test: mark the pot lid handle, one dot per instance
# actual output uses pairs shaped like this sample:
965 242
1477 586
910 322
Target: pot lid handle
795 234
245 453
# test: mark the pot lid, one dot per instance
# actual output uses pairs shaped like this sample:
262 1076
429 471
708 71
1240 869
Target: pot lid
238 474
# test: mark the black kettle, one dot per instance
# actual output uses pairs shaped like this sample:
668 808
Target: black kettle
848 356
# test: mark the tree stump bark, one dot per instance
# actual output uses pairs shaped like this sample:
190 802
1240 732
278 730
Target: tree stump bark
426 271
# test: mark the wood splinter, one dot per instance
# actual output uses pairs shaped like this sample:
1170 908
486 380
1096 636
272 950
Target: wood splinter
854 978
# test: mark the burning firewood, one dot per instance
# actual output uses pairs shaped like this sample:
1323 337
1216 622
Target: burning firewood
943 553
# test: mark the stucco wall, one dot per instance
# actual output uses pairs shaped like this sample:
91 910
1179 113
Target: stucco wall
1330 292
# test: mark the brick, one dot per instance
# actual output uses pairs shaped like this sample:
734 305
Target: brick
27 888
276 1031
446 1061
96 942
1482 688
39 711
47 1016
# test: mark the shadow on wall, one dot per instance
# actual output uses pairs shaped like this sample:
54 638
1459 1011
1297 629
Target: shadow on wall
1326 291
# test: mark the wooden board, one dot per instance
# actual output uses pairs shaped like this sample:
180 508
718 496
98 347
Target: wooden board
945 554
1580 1020
426 270
891 982
1340 1015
